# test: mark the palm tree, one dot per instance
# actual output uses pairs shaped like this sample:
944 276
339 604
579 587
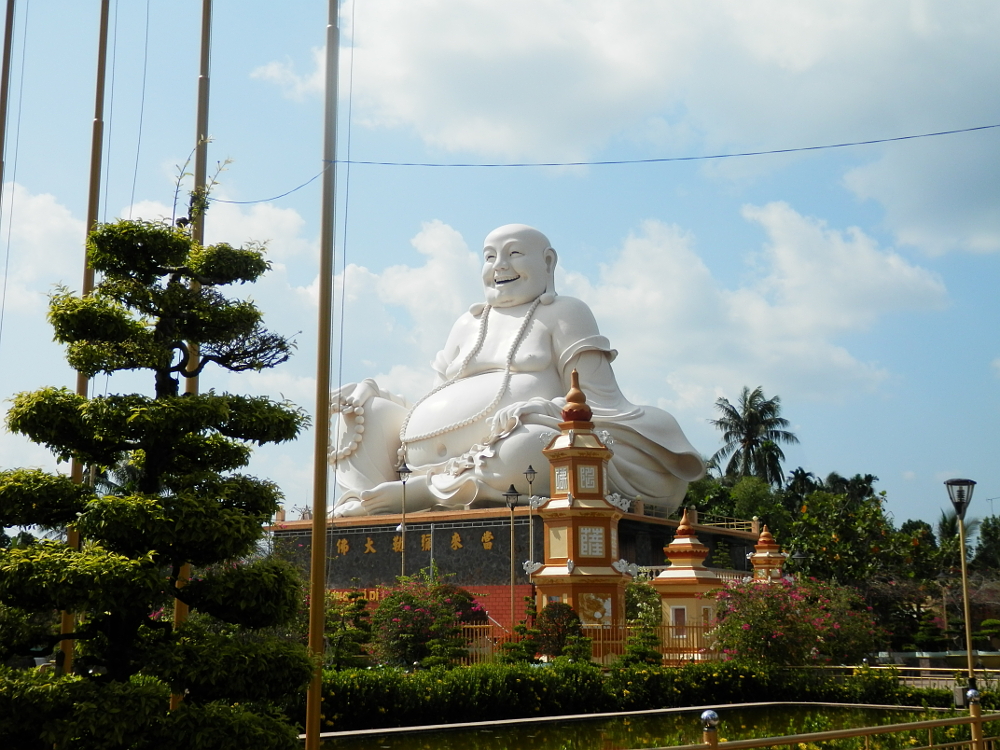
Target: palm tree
948 540
751 432
802 482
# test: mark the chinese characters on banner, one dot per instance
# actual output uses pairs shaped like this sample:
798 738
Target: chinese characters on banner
343 545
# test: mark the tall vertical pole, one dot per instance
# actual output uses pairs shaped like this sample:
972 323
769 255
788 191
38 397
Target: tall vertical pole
968 609
201 144
8 40
68 619
513 619
198 201
317 565
402 535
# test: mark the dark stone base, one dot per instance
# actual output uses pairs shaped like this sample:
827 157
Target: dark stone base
471 548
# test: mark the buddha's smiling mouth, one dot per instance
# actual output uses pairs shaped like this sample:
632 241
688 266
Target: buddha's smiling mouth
501 280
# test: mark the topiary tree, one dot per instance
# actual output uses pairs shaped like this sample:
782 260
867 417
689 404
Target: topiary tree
523 647
347 630
556 624
183 500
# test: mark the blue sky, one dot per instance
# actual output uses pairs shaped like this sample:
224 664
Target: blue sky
858 283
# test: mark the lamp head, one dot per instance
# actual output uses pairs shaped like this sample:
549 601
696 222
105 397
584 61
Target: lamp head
960 494
511 497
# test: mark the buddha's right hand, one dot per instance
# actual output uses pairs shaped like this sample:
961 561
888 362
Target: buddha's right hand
353 395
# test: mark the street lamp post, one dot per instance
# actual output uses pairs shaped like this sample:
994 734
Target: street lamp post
530 475
404 473
960 494
511 496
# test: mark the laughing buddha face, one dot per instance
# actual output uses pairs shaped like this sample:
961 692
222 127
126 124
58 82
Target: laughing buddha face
518 265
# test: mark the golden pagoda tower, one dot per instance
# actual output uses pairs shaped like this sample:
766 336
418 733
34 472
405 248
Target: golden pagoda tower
581 566
683 585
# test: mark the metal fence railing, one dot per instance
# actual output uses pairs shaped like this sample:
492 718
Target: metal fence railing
917 735
677 643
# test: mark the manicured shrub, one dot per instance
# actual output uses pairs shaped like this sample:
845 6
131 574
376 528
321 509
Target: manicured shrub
364 699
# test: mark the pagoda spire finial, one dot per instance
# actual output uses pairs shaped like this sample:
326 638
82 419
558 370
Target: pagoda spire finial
576 409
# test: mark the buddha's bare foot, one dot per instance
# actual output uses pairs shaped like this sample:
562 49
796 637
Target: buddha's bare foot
388 497
350 508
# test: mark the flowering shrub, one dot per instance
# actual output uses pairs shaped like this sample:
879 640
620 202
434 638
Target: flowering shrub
794 623
418 622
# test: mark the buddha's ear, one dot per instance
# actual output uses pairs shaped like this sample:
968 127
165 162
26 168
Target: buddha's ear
551 258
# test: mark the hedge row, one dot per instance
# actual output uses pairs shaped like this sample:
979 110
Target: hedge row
376 698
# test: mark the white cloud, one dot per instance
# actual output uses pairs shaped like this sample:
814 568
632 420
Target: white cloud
396 320
941 198
995 364
699 340
558 80
449 266
515 78
279 228
296 86
46 248
829 281
680 331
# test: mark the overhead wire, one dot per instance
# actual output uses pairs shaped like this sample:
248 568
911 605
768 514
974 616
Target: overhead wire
13 175
611 162
142 111
665 159
111 113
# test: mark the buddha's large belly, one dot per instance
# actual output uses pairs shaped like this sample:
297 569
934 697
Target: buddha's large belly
457 413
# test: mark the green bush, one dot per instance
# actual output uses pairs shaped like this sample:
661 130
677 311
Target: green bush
369 699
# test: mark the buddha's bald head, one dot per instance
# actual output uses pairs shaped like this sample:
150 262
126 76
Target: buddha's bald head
518 265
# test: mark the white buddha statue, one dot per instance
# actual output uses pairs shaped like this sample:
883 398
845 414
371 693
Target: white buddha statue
501 383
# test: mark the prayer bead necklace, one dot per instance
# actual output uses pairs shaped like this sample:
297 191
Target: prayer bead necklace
480 339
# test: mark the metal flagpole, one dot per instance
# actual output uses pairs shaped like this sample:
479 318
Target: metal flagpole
199 200
317 566
68 619
8 39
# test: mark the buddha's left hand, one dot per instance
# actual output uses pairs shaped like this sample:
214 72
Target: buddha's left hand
507 419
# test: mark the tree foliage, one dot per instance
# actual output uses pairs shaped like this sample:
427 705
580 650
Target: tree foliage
794 624
171 492
839 530
643 613
987 555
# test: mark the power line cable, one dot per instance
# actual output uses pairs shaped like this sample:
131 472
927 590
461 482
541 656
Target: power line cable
142 110
612 162
111 113
664 159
